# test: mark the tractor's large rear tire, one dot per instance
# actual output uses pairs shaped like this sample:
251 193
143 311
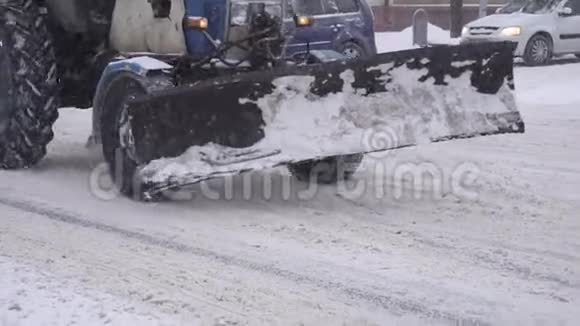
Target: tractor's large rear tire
28 86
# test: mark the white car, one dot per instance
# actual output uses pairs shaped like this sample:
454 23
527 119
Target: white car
541 28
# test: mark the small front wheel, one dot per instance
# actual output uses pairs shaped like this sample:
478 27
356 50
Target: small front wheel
327 171
115 133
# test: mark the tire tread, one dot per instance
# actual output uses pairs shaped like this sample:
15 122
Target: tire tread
29 129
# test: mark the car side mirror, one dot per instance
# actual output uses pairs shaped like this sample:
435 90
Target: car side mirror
565 12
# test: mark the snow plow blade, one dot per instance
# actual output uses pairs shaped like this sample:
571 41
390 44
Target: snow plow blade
259 120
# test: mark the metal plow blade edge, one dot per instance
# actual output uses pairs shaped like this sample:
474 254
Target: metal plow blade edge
264 119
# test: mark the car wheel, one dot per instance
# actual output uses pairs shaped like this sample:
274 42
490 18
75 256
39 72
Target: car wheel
352 50
538 51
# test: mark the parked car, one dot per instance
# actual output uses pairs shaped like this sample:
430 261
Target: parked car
542 29
346 26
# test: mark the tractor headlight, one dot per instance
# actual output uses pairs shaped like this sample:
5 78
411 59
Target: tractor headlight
304 21
197 23
511 31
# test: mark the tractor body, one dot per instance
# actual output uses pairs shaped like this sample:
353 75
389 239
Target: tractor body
184 91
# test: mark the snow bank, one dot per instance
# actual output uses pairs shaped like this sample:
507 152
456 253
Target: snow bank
395 41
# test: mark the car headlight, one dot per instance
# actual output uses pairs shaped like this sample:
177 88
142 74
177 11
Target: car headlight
465 31
511 31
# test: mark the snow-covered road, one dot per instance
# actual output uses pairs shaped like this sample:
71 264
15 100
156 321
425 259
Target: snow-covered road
492 238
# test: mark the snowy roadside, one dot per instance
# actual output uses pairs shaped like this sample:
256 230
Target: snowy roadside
403 40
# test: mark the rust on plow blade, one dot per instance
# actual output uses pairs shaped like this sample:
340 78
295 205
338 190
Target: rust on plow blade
264 119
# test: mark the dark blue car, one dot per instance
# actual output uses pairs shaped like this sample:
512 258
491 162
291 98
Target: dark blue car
345 26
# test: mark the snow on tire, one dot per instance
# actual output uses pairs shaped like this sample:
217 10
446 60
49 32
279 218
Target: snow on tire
28 86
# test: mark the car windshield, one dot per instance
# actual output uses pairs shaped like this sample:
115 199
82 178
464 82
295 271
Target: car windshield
512 6
539 6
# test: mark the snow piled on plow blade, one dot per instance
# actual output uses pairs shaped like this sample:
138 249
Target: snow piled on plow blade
380 105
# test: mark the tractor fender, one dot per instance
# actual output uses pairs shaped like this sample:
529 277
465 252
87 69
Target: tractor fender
148 71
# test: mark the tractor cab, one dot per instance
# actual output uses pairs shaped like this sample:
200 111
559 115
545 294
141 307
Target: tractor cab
194 90
230 21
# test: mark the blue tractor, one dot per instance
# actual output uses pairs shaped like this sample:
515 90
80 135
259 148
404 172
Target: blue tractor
184 91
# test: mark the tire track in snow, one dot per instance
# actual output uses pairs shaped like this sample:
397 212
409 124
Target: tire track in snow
158 287
477 254
387 302
471 238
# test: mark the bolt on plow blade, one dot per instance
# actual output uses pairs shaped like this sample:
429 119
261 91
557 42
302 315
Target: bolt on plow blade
263 119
